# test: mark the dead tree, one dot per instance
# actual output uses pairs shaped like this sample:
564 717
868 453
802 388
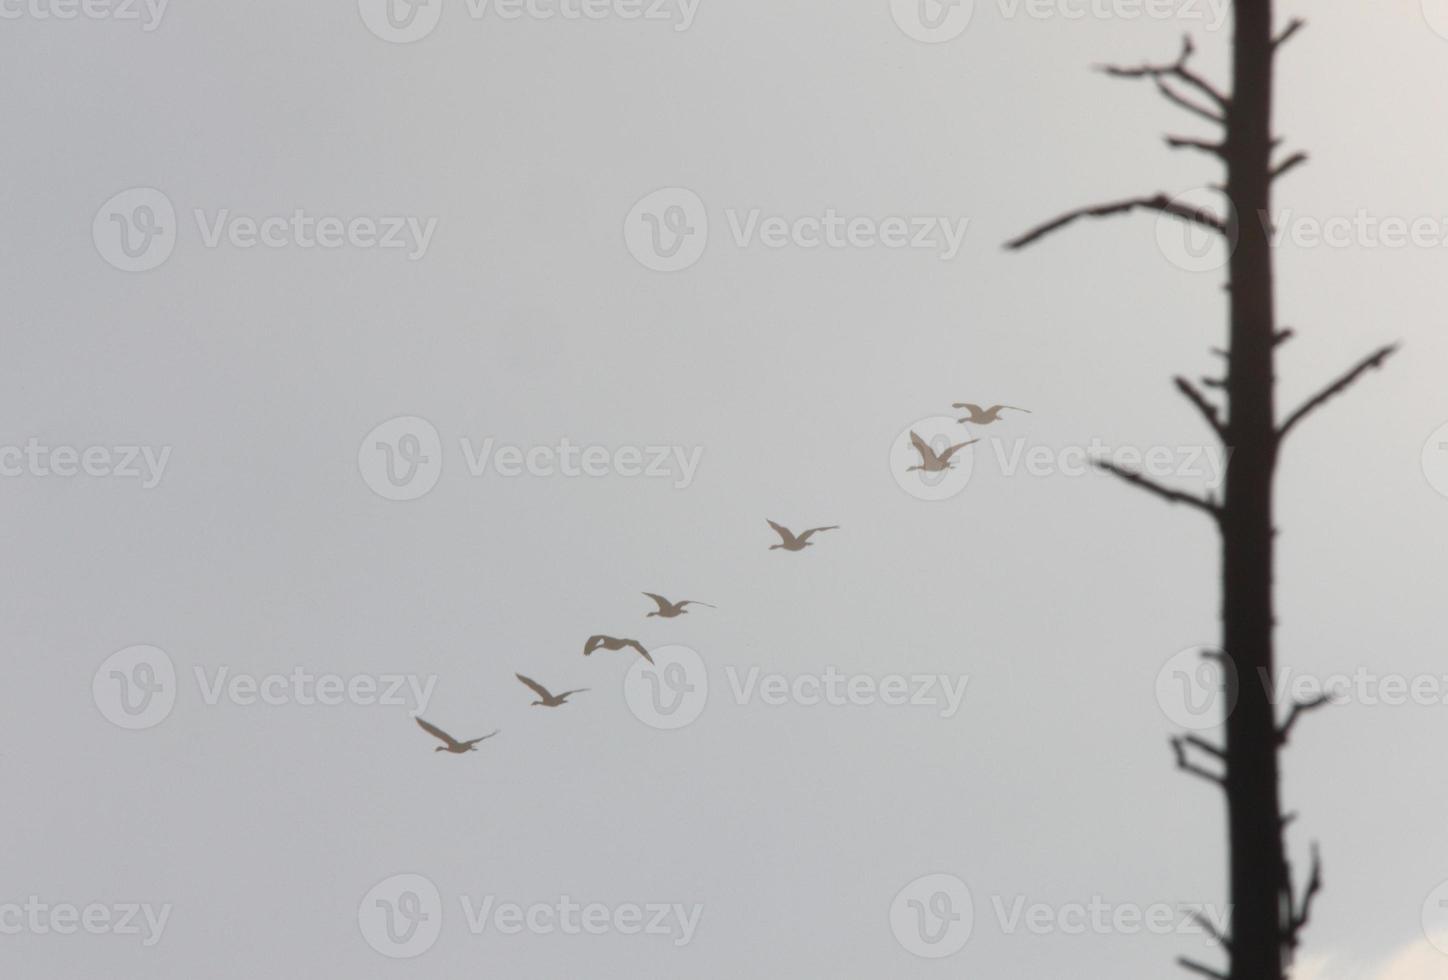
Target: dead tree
1268 910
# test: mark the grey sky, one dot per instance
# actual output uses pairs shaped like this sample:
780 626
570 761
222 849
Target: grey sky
263 550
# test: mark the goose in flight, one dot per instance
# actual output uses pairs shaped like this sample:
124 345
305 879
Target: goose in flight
932 462
600 641
451 744
985 416
790 541
668 610
548 700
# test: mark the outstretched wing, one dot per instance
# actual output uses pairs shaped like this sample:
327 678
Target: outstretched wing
436 732
945 456
696 602
533 685
567 694
640 648
483 739
783 532
594 642
968 406
663 604
814 530
1013 408
922 447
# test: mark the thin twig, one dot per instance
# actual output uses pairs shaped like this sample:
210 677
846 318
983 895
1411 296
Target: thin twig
1179 749
1177 70
1375 360
1159 202
1196 967
1212 930
1286 166
1209 411
1299 709
1166 493
1293 26
1188 143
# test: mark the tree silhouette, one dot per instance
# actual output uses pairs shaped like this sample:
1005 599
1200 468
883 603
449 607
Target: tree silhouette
1269 910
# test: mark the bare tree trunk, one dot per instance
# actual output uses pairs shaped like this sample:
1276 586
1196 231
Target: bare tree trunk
1267 913
1254 811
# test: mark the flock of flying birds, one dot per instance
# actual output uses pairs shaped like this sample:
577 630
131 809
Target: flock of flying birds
931 462
937 462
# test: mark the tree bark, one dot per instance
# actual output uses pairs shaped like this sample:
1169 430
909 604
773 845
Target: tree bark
1258 867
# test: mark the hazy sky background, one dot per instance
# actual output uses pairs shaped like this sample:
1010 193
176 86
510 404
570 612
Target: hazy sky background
263 549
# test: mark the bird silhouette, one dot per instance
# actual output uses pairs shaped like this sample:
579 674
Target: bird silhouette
668 610
548 700
985 416
451 744
790 541
600 641
932 462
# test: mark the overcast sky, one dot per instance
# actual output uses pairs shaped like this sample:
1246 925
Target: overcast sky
227 408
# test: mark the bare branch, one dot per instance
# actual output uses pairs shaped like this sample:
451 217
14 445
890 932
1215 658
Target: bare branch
1375 360
1177 70
1159 202
1179 749
1303 912
1299 709
1283 336
1209 411
1187 143
1212 930
1195 967
1200 743
1177 99
1292 162
1293 26
1166 493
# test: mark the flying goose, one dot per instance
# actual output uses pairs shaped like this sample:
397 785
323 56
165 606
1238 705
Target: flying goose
796 542
452 745
668 610
985 416
930 461
600 641
548 700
